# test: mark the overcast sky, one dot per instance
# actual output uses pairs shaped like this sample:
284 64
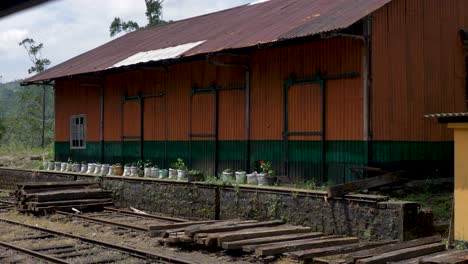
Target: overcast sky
70 27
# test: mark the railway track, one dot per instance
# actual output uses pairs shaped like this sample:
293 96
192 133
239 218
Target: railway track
57 247
124 219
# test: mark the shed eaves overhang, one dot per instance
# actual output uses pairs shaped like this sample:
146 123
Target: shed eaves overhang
445 118
232 29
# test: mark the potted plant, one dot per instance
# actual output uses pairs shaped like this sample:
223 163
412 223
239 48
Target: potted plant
134 170
84 167
195 175
50 165
148 165
104 169
252 178
228 175
140 168
266 177
57 165
155 172
76 167
118 169
111 171
69 165
173 170
63 166
241 177
97 168
181 169
127 171
163 174
91 168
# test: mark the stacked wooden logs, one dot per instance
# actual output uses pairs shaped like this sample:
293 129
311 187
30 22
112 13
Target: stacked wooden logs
40 197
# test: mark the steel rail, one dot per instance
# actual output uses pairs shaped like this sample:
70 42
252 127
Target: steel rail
102 221
166 218
131 251
33 253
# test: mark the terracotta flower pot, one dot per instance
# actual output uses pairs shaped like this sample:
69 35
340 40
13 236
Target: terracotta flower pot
118 170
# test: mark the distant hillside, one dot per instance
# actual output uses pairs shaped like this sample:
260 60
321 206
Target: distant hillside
8 98
21 115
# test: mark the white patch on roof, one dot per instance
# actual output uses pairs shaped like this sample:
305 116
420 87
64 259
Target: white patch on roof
157 55
258 2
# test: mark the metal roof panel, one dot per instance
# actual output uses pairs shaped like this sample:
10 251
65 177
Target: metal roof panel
239 27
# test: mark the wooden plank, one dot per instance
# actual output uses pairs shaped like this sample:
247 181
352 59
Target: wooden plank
257 233
343 189
420 260
403 254
302 244
231 227
68 202
179 225
334 250
449 257
195 228
265 240
251 248
351 258
328 261
36 185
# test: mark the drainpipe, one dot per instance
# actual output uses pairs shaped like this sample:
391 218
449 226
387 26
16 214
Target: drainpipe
102 123
367 85
247 119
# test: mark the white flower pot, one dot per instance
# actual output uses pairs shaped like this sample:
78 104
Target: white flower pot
45 165
172 174
91 168
111 171
252 178
104 169
51 166
133 171
126 171
58 166
241 177
69 167
76 167
97 169
154 172
227 176
147 172
84 168
181 175
63 167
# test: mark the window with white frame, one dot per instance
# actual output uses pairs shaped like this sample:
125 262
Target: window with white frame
78 132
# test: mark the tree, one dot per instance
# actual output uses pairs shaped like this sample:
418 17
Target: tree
34 53
39 65
153 14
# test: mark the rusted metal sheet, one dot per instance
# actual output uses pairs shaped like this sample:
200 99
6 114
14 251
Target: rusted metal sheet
271 68
418 67
240 27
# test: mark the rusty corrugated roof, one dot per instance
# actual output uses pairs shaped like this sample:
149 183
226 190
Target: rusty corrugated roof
239 27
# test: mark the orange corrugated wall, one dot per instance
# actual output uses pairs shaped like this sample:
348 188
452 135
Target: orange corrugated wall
418 68
271 67
75 99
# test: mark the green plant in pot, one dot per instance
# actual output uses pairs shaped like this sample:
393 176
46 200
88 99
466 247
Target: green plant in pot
195 175
181 169
118 169
266 175
228 175
148 165
241 176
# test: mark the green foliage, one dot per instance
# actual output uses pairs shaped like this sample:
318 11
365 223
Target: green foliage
153 14
34 53
21 116
118 26
179 164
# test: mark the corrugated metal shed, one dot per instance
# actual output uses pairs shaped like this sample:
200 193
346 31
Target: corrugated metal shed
239 27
